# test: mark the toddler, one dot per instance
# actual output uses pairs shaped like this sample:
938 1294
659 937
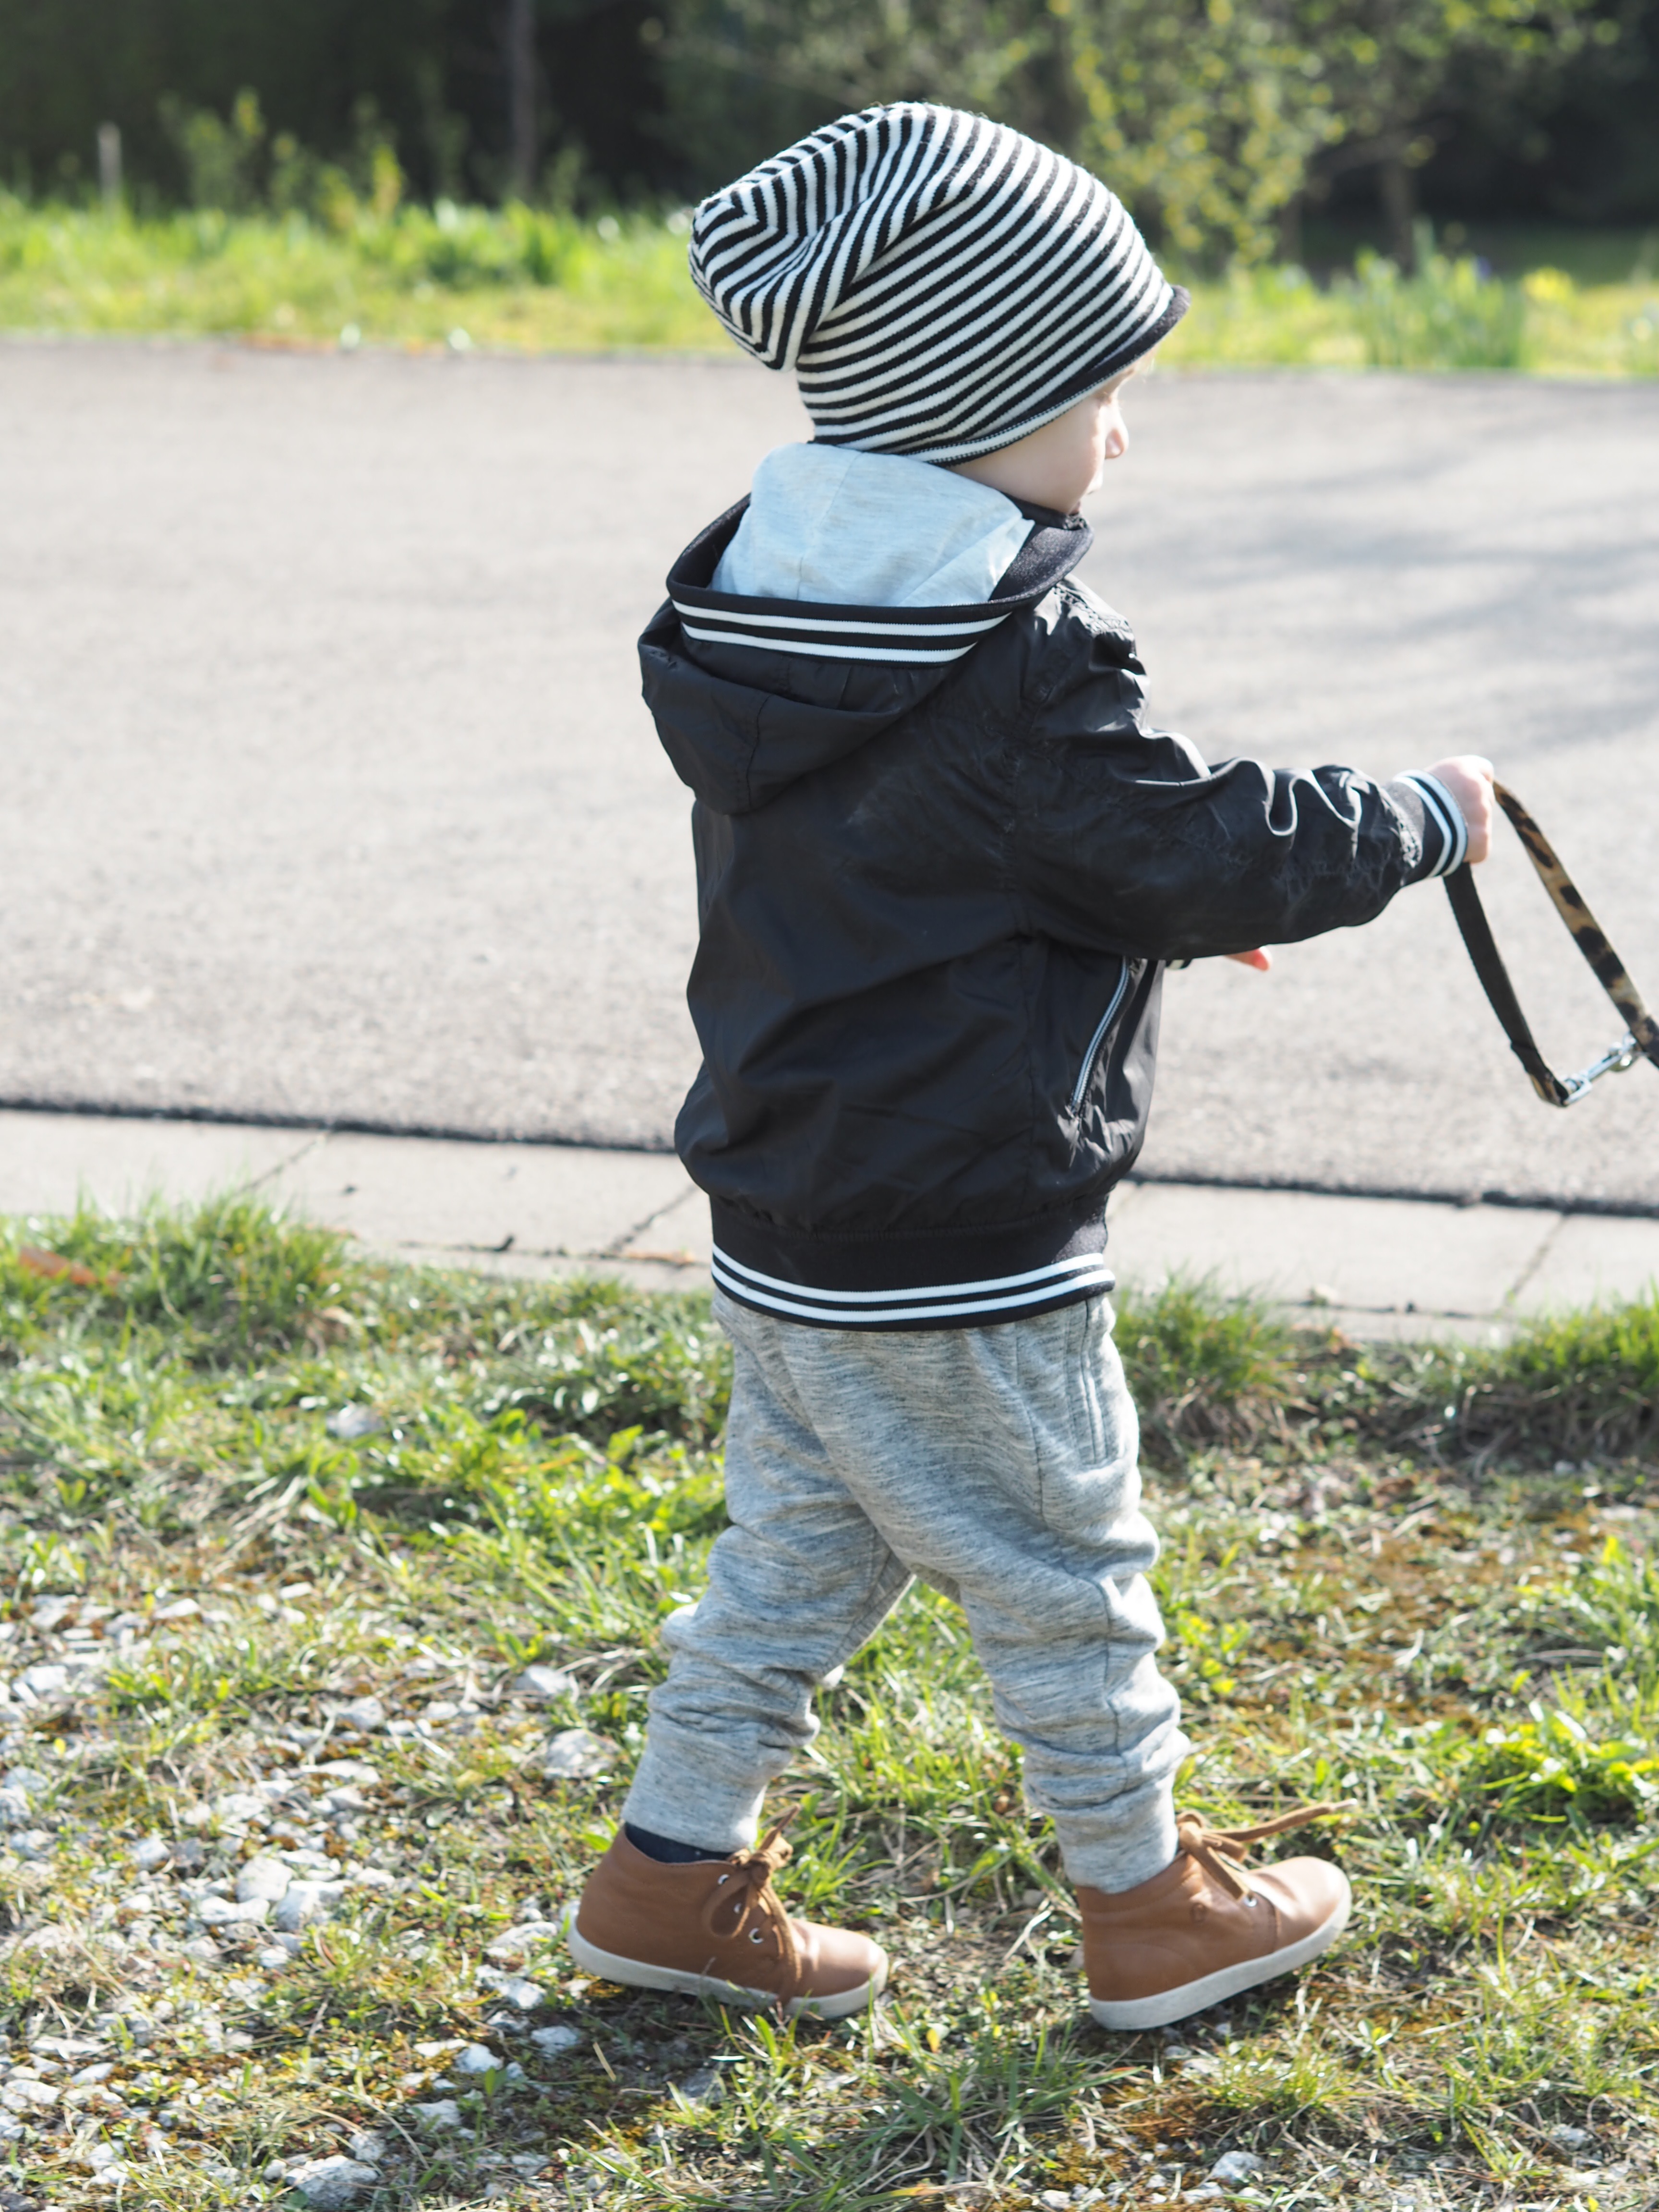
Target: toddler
942 861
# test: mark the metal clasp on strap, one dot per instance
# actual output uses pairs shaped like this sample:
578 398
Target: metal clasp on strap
1624 1054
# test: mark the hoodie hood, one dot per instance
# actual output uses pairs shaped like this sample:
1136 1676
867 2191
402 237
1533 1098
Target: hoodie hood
820 527
751 692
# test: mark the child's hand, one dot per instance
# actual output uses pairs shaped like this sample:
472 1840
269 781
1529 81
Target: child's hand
1260 961
1468 778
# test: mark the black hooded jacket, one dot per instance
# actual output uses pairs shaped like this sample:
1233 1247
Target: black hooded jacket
942 862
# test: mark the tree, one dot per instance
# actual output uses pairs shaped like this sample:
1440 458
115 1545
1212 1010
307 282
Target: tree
1397 69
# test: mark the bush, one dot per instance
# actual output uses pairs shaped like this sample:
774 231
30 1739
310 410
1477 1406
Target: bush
1451 314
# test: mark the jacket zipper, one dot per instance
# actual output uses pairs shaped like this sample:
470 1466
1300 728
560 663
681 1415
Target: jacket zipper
1075 1102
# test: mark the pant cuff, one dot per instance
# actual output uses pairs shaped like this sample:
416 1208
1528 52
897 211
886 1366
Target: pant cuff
1123 1845
683 1789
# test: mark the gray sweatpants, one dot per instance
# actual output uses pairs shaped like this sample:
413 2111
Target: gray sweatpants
999 1464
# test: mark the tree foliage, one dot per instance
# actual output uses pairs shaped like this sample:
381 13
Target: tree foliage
1208 116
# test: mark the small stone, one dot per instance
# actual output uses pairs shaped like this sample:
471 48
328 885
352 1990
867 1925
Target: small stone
523 1936
272 1958
262 1876
229 1912
28 1779
304 1902
154 1851
352 1422
331 2184
552 2041
441 2113
14 1808
702 2088
45 1678
476 2058
237 1808
21 2093
203 1949
525 1995
545 1683
368 2147
56 1936
1234 2167
364 1714
182 1609
576 1755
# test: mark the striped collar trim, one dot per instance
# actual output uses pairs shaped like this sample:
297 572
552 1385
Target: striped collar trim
999 1297
907 634
893 636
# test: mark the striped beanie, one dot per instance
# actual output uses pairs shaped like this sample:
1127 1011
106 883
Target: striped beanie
939 284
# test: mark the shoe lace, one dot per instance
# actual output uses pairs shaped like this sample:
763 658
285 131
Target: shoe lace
1218 1851
745 1882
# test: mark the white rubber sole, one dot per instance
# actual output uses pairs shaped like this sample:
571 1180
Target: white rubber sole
636 1974
1181 2003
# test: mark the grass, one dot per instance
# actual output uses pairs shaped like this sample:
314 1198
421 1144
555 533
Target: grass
281 1533
521 279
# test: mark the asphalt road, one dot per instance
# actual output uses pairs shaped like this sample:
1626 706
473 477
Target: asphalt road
328 793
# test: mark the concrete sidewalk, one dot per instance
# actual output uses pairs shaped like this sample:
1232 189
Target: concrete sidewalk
1377 1267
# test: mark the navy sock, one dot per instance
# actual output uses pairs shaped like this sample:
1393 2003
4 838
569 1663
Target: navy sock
667 1849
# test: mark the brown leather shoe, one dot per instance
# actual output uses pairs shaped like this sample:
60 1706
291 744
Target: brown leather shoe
1203 1929
716 1928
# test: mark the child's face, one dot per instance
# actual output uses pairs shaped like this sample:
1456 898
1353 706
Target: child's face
1059 465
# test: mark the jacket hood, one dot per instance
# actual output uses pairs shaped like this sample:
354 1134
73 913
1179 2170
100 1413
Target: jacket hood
750 694
869 530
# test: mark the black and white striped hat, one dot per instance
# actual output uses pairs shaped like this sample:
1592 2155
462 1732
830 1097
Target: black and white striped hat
939 284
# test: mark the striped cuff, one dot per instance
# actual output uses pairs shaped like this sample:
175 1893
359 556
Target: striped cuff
1441 814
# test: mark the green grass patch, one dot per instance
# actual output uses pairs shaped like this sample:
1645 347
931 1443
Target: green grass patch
526 279
281 1533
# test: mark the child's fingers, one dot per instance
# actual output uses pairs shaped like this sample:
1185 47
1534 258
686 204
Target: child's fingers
1260 961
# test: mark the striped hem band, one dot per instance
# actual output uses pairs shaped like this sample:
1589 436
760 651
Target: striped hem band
1001 1297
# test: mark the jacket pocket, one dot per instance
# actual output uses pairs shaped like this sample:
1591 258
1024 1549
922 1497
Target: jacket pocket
1102 1030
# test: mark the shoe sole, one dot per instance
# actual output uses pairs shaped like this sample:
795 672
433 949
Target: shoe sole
1181 2003
636 1974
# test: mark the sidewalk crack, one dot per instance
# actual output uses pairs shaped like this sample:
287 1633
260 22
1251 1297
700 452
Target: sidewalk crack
1506 1303
617 1248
